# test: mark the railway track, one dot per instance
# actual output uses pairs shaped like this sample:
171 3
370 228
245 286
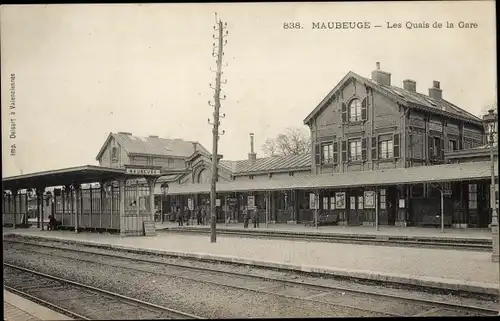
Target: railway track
470 245
80 301
378 302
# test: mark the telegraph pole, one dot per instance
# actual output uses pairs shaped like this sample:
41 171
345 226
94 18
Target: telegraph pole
217 52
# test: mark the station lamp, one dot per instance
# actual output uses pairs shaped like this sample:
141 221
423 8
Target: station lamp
490 122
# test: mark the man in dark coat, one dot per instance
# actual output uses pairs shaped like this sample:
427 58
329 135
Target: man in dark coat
246 217
198 215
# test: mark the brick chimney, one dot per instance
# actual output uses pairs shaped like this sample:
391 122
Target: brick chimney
410 85
381 77
252 156
435 92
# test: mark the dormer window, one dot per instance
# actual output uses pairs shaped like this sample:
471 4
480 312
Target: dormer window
355 110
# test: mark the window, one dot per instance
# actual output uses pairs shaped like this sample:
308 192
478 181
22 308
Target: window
325 203
327 153
290 174
435 146
250 176
355 150
385 149
352 202
472 196
170 163
332 202
360 202
382 199
452 145
355 110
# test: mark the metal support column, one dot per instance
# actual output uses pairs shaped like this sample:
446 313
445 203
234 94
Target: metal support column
14 196
121 182
78 207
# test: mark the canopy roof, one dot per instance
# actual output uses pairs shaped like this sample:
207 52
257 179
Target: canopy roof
66 176
413 175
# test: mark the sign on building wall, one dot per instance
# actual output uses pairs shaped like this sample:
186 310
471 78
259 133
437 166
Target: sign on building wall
313 201
142 171
190 204
340 200
438 127
232 201
251 202
217 202
369 199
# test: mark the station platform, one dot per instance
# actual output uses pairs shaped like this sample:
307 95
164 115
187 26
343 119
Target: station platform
421 232
16 308
436 268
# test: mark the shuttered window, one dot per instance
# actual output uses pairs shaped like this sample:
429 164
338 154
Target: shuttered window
355 149
344 113
317 152
355 110
374 147
386 149
326 153
335 152
363 148
364 109
396 144
344 150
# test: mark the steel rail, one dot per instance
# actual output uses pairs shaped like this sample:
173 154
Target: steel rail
45 303
325 288
102 291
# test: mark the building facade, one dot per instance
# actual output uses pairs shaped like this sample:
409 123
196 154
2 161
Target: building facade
366 135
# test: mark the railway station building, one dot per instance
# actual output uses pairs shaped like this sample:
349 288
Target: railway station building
381 154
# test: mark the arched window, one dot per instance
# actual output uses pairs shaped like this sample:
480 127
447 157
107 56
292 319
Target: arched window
114 154
203 177
355 110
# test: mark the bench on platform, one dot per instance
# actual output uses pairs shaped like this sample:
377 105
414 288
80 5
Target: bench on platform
324 219
435 220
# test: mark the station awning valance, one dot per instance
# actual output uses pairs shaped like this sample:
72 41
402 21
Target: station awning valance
80 175
413 175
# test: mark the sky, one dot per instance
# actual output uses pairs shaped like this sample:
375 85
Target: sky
83 71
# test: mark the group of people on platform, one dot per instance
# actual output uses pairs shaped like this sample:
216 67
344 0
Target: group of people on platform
203 216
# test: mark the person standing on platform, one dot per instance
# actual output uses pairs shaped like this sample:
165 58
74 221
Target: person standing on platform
256 217
246 217
203 215
198 215
187 215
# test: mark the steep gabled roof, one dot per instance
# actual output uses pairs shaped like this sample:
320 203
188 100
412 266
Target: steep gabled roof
138 145
404 97
269 164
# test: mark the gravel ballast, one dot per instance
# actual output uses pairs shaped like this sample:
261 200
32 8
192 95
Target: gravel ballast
354 284
206 300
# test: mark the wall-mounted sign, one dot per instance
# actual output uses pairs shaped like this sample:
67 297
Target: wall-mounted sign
369 199
313 201
251 202
340 200
190 204
142 171
217 202
438 127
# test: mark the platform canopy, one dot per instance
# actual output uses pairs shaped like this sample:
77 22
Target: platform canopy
399 176
66 176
